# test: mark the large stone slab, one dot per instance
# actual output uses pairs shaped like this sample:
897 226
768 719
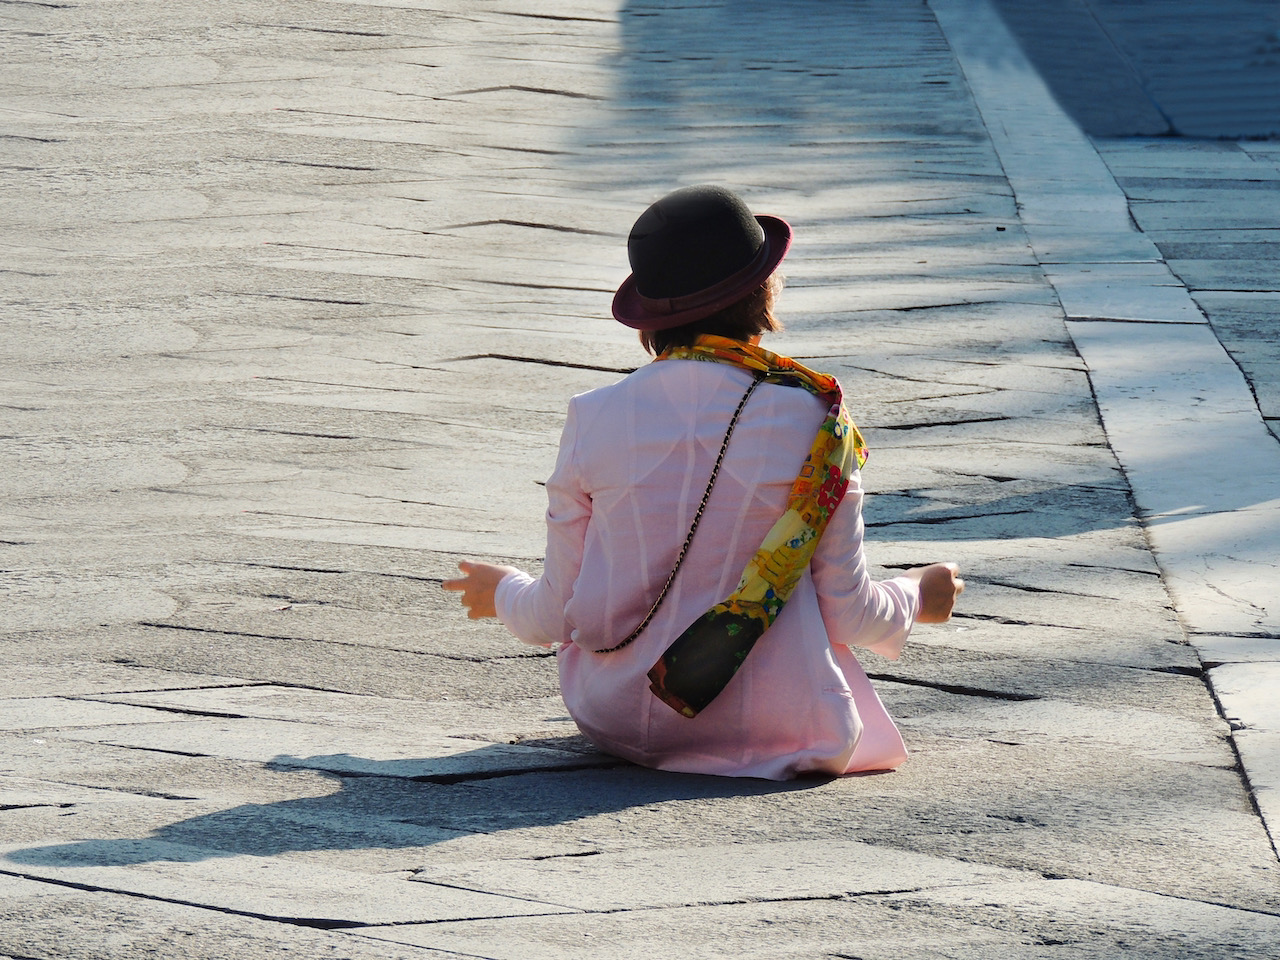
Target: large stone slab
51 920
19 792
266 888
1189 158
61 713
1123 291
79 678
1209 524
1033 918
272 702
1247 694
734 873
1139 732
1077 219
367 752
859 928
1213 526
1076 912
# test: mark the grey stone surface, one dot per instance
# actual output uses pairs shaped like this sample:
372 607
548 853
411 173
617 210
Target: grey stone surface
1210 209
1021 919
1176 67
295 297
46 920
272 888
356 752
1163 387
739 872
1141 923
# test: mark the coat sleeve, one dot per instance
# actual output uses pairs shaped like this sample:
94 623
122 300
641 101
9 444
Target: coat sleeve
533 608
859 611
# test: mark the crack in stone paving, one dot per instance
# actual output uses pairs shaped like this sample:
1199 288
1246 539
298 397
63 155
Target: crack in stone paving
317 922
649 908
1078 318
355 116
533 224
1102 566
304 163
364 573
561 856
361 386
995 618
1025 588
536 654
226 633
1046 484
1260 635
168 751
449 779
540 360
526 285
553 16
291 601
924 424
399 364
1177 671
947 519
304 433
1240 769
182 711
348 33
420 503
278 566
285 296
367 523
1227 596
956 688
977 392
534 150
327 249
5 807
150 794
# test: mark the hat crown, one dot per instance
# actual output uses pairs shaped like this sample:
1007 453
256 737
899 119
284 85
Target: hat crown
691 240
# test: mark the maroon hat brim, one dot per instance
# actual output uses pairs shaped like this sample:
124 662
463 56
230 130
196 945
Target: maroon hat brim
639 312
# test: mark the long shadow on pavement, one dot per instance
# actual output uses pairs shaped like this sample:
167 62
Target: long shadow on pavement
383 809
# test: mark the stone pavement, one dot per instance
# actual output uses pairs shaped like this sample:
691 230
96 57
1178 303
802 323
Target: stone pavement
1126 68
295 297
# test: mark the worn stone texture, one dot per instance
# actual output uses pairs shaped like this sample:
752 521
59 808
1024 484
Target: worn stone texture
295 296
1164 386
1122 68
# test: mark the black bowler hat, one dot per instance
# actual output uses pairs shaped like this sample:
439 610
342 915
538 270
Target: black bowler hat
695 252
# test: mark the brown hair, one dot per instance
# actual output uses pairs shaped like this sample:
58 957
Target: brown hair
746 318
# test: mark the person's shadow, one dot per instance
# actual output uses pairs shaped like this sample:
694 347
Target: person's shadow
383 809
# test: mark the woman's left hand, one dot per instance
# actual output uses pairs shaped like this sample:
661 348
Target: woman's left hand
940 587
478 583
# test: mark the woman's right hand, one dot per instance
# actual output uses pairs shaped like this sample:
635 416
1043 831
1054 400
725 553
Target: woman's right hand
478 584
940 585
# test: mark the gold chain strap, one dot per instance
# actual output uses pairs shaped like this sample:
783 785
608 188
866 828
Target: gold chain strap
697 518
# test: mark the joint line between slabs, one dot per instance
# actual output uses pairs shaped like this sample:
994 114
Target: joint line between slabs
156 625
1242 771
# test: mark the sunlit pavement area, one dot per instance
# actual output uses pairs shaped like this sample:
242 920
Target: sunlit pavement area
295 296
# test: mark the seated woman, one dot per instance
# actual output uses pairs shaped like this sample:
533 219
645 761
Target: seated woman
704 577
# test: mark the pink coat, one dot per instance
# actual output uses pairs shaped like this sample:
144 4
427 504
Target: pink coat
633 464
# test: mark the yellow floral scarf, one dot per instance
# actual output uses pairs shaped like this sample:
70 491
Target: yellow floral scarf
703 659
